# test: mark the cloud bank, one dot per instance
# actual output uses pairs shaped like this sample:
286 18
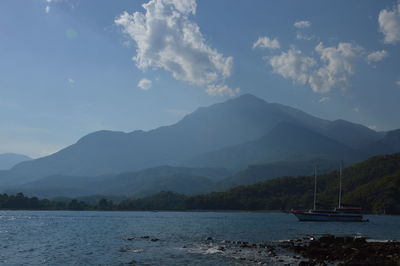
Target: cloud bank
167 38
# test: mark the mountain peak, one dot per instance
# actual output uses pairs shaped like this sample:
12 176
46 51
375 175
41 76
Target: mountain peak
247 97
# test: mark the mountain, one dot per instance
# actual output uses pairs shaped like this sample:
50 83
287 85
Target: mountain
8 160
133 184
390 143
285 142
236 121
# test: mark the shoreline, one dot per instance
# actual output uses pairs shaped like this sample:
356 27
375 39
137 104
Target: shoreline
201 211
323 250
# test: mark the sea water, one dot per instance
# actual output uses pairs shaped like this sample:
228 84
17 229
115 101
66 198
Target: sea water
101 238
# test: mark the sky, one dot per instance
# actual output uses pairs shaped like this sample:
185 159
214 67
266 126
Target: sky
71 67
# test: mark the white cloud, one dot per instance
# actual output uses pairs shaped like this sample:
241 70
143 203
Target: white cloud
389 24
377 56
47 9
373 127
337 66
221 90
302 24
333 69
293 64
356 109
168 39
266 42
398 83
324 99
145 84
305 37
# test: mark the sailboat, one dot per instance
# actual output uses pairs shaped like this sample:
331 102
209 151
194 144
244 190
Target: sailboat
339 214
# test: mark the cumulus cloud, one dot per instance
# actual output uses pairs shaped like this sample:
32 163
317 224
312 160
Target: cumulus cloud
266 42
377 56
398 83
324 99
332 70
302 24
338 66
168 39
389 24
356 109
145 84
47 9
294 65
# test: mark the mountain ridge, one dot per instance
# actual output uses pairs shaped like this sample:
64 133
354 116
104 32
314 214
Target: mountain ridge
233 122
8 160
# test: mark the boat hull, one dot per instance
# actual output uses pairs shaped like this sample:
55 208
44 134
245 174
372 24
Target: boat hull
328 217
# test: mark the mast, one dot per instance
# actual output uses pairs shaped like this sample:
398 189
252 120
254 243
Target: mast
315 187
340 185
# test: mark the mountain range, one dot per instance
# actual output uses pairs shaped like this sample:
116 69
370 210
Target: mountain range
8 160
234 135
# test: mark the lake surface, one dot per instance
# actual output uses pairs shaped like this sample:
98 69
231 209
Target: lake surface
99 238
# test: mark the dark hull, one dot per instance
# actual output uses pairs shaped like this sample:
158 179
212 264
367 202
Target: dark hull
328 216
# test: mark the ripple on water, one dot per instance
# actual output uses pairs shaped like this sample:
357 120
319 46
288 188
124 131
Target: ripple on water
82 238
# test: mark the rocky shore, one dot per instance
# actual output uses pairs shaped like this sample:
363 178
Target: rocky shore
324 250
345 250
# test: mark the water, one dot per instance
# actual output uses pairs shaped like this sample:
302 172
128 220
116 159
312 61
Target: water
99 238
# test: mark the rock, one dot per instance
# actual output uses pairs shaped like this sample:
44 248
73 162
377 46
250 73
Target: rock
209 238
144 237
327 239
154 239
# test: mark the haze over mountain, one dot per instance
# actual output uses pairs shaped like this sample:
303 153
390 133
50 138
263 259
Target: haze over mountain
285 142
141 183
233 134
8 160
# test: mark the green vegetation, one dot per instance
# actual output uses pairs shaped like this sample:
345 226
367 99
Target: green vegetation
21 202
373 184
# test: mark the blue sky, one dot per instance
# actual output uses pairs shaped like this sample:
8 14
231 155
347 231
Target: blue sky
72 67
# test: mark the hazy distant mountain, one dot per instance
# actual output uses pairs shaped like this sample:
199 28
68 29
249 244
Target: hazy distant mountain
285 142
262 172
390 143
237 121
8 160
133 184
